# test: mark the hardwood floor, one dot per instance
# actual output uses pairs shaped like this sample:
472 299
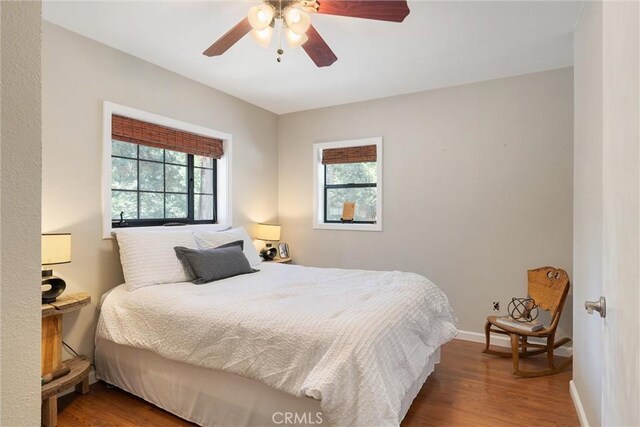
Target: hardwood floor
468 388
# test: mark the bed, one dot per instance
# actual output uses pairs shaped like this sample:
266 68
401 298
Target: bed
285 345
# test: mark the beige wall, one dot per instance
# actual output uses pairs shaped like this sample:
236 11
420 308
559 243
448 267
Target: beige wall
477 187
20 185
587 210
78 74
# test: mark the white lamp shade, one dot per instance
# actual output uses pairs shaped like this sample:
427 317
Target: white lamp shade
262 37
297 20
260 16
294 39
56 248
268 232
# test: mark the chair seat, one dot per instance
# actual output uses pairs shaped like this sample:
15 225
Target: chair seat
544 332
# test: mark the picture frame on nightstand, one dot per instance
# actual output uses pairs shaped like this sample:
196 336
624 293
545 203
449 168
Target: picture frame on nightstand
283 250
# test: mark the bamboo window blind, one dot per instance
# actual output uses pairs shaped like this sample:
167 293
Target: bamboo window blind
153 135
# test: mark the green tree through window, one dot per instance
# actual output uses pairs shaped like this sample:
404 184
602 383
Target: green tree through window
351 182
153 186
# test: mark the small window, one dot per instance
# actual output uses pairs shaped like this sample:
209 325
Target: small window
349 172
153 186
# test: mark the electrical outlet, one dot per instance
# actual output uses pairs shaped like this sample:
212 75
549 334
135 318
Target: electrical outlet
496 306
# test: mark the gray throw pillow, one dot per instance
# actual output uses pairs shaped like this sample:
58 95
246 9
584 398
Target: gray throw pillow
208 265
191 275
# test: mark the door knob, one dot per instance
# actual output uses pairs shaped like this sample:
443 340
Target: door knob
600 306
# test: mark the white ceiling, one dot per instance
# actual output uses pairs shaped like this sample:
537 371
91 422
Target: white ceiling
439 44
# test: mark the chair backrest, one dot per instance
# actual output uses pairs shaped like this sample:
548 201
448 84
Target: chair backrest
549 287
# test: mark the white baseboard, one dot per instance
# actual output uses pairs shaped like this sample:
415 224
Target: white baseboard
503 341
582 416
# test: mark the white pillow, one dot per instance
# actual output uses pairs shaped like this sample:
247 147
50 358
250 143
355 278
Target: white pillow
149 258
208 240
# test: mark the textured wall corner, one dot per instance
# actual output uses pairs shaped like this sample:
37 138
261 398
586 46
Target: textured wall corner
20 212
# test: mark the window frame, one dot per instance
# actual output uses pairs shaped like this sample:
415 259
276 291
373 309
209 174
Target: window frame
222 169
191 168
320 187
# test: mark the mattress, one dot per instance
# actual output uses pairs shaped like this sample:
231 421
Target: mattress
356 341
210 397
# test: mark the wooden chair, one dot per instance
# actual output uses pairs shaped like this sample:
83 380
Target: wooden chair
549 287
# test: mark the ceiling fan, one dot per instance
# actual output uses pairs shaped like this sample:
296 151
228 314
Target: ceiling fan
293 19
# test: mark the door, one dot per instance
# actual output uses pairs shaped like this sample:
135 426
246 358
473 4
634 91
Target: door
621 212
588 353
606 376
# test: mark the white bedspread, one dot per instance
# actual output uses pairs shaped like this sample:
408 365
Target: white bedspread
356 340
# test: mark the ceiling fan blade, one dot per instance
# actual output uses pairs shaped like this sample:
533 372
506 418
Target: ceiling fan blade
229 39
318 50
381 10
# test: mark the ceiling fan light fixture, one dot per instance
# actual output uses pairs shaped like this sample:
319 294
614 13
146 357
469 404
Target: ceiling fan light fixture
297 20
262 37
260 16
292 20
294 39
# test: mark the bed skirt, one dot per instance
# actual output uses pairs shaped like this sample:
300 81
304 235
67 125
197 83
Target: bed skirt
211 397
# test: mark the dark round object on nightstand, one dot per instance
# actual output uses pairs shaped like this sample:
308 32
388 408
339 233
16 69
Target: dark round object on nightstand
269 253
57 287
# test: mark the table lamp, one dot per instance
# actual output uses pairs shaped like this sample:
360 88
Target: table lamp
269 233
56 249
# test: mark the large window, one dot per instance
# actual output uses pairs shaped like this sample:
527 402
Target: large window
159 171
348 173
153 186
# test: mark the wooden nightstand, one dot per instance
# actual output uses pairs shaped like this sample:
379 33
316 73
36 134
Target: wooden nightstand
283 260
52 356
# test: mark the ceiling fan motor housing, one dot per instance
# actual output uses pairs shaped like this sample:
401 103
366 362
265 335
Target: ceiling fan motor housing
281 5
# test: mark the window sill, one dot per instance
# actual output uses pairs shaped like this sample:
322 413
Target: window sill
194 227
348 227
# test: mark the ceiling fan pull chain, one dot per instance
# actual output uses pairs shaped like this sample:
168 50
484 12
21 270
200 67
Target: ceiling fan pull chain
280 51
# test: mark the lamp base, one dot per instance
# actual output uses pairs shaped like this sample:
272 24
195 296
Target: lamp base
52 288
268 253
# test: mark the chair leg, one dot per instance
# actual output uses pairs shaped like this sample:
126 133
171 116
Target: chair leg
515 344
487 334
550 348
552 369
524 344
